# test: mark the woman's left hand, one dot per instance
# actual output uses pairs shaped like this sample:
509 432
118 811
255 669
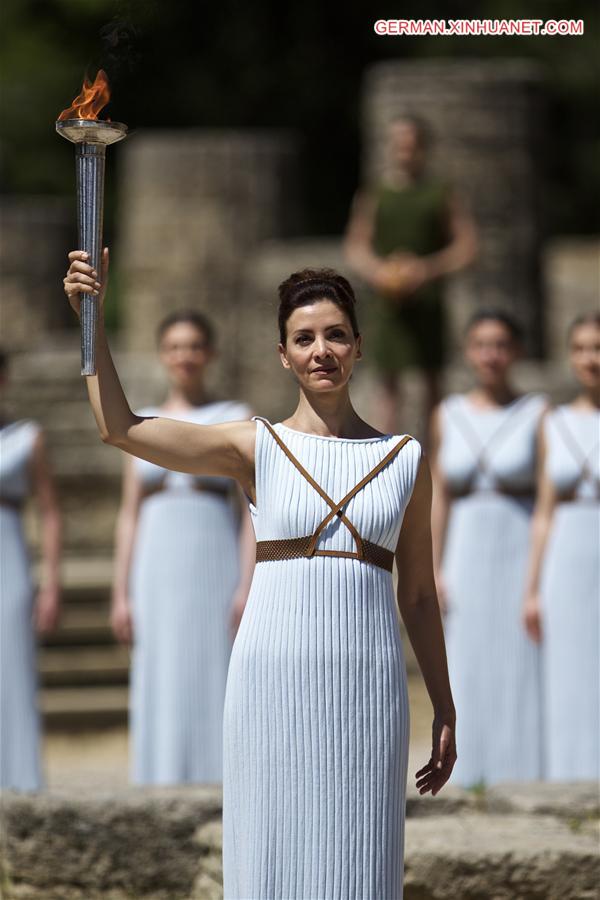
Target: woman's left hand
532 617
46 610
238 604
436 773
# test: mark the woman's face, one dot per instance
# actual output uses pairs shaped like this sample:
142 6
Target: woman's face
321 348
490 350
405 147
184 352
584 351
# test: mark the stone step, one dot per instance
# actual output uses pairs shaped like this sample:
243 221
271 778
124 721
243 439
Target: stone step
83 624
83 573
84 707
83 666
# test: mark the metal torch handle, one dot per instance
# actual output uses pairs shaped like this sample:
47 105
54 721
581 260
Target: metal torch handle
90 213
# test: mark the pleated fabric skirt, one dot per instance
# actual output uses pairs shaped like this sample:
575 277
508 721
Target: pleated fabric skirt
184 574
316 728
20 766
494 667
570 592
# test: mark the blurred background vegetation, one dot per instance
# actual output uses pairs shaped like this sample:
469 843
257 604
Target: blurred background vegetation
262 64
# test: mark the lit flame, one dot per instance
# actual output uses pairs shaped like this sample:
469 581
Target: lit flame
93 97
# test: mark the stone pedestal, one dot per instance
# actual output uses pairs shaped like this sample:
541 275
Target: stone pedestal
486 118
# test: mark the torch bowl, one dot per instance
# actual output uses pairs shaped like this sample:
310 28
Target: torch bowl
91 131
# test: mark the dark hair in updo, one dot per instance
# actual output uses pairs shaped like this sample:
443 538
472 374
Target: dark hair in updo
311 285
191 317
497 314
588 318
3 360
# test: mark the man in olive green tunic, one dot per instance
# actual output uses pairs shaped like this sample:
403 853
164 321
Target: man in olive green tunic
403 237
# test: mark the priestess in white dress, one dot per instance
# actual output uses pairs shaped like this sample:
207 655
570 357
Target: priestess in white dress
562 606
484 461
24 470
184 561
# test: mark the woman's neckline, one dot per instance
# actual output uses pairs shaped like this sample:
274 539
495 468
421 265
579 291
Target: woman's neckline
188 409
323 437
494 409
577 410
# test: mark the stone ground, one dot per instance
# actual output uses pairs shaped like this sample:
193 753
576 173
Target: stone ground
92 837
517 842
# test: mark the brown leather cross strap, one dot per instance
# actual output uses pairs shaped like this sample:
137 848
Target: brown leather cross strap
583 459
481 451
294 548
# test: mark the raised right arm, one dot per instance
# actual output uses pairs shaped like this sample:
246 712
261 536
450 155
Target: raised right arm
226 449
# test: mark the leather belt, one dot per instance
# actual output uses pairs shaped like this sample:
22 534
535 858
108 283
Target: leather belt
207 488
570 498
296 548
526 492
12 503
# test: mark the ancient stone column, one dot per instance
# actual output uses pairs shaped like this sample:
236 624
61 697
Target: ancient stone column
195 206
35 235
486 116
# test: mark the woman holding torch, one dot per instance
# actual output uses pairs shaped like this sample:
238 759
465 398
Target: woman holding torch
316 713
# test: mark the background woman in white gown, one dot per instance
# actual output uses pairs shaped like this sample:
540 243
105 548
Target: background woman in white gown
483 458
562 604
183 565
24 469
316 735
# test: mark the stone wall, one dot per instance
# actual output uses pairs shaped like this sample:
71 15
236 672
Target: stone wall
532 841
487 119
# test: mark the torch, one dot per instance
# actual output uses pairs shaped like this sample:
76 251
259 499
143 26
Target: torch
91 136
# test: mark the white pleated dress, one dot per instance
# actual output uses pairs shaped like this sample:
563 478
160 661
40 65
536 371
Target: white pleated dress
570 595
20 767
316 718
183 575
494 666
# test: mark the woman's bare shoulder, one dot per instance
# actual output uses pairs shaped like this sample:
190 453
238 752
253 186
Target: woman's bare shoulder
243 435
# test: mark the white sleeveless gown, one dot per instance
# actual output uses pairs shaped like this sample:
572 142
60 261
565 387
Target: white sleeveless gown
20 766
316 716
183 575
494 666
570 597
